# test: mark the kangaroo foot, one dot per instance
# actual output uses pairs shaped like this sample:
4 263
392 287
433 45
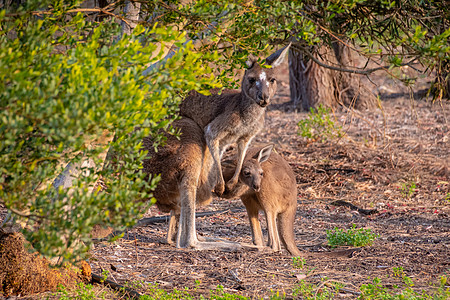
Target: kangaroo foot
207 244
218 246
201 238
219 188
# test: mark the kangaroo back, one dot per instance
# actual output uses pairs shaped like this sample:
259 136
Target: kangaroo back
183 156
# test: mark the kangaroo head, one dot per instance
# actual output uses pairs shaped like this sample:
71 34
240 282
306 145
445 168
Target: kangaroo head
252 172
260 84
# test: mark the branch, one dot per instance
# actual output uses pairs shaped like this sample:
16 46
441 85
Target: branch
102 10
25 215
299 47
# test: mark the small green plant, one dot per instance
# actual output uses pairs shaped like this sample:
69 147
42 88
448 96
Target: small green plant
219 294
298 262
105 274
319 125
82 292
376 290
408 189
325 290
154 292
398 272
351 237
276 295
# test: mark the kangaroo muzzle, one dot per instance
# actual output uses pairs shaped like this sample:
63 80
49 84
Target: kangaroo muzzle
256 187
263 100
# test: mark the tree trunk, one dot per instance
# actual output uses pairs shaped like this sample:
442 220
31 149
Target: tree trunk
441 85
131 11
312 85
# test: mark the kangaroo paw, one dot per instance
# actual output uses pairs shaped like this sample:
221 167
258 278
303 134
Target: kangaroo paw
218 246
219 189
231 185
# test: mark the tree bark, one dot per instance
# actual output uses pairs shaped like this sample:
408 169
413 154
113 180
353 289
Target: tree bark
441 85
312 85
131 12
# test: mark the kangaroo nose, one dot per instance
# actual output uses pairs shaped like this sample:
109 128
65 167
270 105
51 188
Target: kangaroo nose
256 187
263 100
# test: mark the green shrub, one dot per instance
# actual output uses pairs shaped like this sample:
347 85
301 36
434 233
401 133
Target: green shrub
319 125
67 86
376 290
351 237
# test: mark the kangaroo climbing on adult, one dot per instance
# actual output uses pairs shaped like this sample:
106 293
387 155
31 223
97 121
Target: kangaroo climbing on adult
209 123
267 183
233 116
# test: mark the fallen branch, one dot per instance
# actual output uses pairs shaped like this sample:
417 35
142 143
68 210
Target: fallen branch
162 219
115 286
354 207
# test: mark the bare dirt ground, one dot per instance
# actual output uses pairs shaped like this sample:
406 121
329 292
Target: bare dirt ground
383 151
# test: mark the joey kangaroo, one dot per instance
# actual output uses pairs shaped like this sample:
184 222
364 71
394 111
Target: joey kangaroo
235 117
267 182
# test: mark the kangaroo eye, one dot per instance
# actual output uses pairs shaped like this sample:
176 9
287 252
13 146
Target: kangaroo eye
262 174
272 80
246 173
252 80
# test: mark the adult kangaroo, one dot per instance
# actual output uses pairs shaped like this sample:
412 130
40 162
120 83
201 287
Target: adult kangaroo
235 117
208 125
267 183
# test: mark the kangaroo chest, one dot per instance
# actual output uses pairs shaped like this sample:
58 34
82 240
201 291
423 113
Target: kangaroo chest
246 126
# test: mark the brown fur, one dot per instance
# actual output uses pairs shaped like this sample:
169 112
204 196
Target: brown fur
186 164
234 117
267 183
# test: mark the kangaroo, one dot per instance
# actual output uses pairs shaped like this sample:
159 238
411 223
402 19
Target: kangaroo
207 126
184 164
266 182
235 117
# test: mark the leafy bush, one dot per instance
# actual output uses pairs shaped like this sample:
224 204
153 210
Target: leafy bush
319 125
351 237
66 86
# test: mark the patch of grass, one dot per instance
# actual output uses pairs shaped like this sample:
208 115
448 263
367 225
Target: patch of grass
376 290
351 237
154 292
298 262
329 289
219 294
82 292
408 189
319 125
325 290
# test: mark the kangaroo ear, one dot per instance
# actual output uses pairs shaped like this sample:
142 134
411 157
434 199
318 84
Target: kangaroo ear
278 57
251 61
264 153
